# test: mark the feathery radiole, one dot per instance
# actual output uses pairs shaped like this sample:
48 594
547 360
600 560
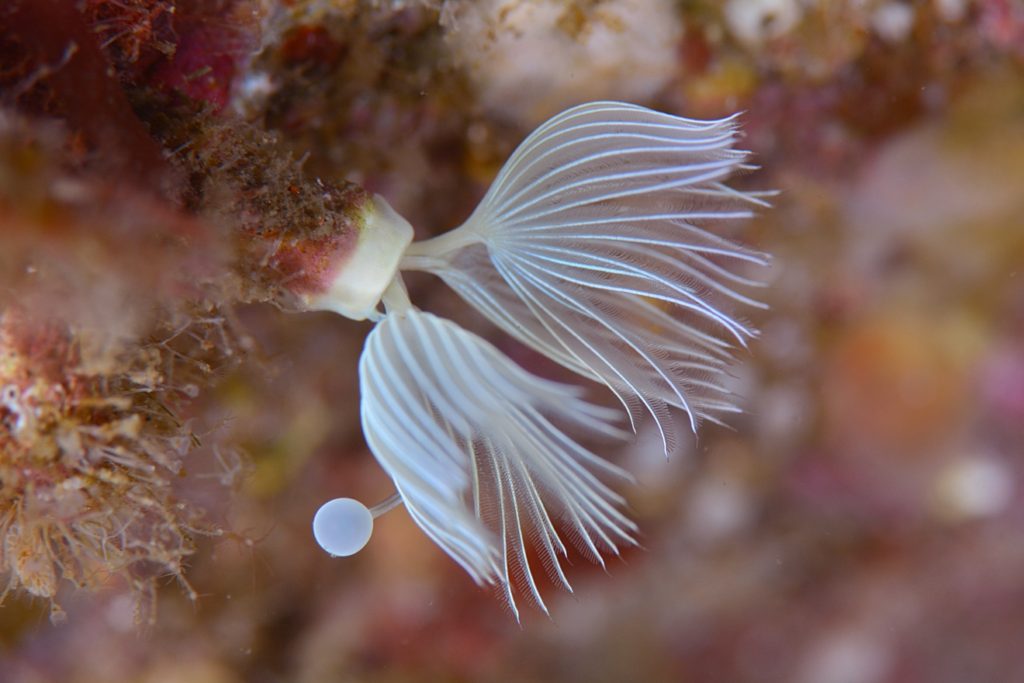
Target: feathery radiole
593 246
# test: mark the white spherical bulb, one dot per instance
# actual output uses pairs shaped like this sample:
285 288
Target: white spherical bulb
342 526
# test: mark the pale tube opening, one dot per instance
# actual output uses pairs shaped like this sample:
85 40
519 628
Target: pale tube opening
357 289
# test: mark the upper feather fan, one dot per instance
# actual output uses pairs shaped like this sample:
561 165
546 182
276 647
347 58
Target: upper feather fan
593 246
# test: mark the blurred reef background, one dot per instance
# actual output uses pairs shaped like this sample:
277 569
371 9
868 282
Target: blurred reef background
169 424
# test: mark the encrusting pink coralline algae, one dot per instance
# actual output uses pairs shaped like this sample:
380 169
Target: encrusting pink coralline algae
594 246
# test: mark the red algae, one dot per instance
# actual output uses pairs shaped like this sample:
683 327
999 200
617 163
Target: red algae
90 459
214 43
126 243
134 33
62 72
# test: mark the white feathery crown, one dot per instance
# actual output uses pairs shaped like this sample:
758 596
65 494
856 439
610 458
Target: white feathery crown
594 246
